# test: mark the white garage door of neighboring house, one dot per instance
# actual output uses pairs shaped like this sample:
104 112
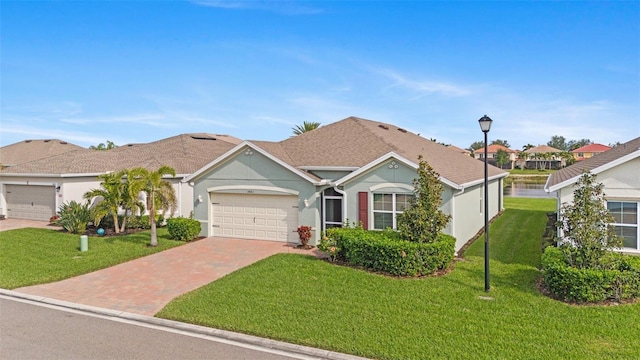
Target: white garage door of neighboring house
251 216
30 202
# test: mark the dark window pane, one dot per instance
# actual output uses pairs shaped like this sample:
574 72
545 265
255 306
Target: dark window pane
334 210
382 221
383 202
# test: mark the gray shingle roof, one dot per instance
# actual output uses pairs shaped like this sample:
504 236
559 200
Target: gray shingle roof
356 142
593 163
186 153
30 150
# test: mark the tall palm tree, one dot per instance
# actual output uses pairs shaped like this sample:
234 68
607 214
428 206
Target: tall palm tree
160 193
305 127
110 194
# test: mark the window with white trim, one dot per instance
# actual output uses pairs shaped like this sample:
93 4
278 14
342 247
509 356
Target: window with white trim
386 207
625 215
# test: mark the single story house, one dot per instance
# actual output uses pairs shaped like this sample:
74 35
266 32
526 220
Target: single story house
588 151
35 189
619 171
351 171
543 157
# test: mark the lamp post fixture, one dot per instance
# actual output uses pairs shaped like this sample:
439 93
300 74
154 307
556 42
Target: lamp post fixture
485 126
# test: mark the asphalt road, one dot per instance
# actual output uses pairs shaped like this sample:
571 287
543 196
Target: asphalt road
35 331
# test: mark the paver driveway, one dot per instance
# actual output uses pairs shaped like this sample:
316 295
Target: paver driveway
145 285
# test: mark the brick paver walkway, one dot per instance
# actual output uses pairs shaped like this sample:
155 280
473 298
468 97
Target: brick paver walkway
145 285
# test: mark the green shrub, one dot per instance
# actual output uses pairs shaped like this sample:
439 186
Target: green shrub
386 251
618 278
183 229
74 217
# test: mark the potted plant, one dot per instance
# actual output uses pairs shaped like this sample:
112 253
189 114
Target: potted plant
304 232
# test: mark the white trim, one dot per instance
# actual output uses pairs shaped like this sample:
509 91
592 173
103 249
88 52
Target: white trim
29 183
595 171
329 168
481 181
54 175
391 185
237 188
239 148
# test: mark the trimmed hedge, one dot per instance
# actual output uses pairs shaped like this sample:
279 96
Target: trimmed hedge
386 251
183 229
620 280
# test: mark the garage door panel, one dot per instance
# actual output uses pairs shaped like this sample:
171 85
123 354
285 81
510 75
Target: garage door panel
30 202
251 216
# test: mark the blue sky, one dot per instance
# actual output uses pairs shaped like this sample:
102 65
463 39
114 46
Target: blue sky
139 71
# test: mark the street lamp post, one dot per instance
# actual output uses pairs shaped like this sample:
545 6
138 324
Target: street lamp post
485 126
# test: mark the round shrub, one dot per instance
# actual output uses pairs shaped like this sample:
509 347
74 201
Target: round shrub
619 280
184 229
386 251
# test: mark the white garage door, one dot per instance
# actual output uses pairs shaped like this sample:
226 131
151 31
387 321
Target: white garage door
30 202
260 217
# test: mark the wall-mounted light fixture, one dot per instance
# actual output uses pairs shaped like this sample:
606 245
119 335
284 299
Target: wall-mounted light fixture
200 199
57 188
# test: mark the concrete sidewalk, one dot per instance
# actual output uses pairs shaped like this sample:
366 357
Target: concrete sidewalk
145 285
11 224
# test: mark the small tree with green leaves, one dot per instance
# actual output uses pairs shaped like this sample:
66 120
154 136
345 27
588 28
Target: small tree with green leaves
502 157
586 224
423 220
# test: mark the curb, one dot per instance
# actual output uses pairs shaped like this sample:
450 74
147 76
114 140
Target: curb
196 329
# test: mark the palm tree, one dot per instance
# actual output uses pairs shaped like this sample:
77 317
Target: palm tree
160 193
130 201
110 194
305 127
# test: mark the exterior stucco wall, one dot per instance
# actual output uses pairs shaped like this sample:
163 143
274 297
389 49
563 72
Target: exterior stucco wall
621 183
256 174
330 175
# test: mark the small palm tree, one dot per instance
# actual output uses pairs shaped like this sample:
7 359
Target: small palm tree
305 127
130 201
110 194
160 193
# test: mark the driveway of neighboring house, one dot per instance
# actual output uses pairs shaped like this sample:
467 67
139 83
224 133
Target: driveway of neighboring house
145 285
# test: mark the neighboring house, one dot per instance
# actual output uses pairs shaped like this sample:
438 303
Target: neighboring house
619 171
588 151
35 190
350 171
492 151
544 157
30 150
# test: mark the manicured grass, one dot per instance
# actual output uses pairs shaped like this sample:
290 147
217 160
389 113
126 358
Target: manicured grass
308 301
36 256
531 172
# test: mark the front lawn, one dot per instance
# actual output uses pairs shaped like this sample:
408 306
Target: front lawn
37 256
307 301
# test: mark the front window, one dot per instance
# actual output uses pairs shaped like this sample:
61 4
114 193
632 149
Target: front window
386 207
625 215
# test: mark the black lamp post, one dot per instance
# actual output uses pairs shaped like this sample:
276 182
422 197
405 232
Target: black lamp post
485 125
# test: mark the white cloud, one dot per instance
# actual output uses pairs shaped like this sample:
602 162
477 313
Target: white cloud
280 7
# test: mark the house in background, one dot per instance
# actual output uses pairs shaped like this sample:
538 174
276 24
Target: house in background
30 150
34 190
492 151
588 151
619 171
544 157
350 171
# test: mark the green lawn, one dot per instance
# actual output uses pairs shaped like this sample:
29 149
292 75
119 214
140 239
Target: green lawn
36 256
531 171
307 301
